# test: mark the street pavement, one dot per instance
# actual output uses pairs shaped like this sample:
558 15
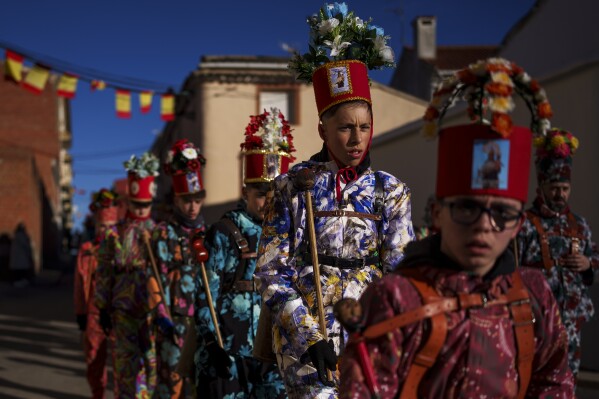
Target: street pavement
40 350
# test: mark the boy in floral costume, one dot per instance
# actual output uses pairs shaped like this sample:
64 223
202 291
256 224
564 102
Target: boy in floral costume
95 342
177 266
558 241
232 244
121 293
458 319
362 217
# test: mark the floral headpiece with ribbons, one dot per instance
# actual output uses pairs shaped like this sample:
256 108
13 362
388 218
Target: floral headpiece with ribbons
337 34
140 176
554 155
267 146
490 156
104 198
104 205
488 87
184 162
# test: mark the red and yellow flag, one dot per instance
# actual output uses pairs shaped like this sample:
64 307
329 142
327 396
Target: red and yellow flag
123 103
98 85
145 101
67 85
13 66
36 79
167 107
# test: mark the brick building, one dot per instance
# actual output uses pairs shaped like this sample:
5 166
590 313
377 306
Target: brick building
35 178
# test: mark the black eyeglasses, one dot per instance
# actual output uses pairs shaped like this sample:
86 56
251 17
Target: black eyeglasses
467 212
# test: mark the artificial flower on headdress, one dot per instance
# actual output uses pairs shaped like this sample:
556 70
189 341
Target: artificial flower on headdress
144 166
554 153
104 198
267 147
337 34
269 131
557 143
183 157
490 156
488 86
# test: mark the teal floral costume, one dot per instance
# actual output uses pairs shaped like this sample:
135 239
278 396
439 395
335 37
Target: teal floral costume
178 269
237 305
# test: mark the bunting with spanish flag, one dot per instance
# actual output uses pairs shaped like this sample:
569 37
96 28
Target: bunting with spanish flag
14 66
123 103
67 85
145 101
167 107
97 85
36 79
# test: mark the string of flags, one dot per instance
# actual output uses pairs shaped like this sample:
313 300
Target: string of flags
36 78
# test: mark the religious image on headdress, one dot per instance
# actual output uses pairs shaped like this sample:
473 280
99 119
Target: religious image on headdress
490 164
339 80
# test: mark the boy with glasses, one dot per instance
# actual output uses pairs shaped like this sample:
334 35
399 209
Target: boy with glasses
458 318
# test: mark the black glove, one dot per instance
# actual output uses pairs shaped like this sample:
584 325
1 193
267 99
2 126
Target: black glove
105 321
167 328
323 357
82 321
219 359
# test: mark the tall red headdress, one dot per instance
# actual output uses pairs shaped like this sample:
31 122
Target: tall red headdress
554 154
267 148
141 173
104 206
489 156
343 47
184 163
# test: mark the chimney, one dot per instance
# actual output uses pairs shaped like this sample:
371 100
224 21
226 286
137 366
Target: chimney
425 37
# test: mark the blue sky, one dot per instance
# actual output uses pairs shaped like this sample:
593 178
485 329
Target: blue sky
162 42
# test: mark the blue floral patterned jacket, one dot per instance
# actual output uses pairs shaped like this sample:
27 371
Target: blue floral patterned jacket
285 273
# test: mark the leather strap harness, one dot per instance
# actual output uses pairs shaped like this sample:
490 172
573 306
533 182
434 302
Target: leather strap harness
244 254
436 306
377 207
548 261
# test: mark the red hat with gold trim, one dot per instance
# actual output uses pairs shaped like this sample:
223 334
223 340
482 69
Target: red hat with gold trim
140 177
491 156
104 206
184 163
343 47
267 148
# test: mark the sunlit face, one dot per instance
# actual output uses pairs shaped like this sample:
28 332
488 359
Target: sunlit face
140 209
347 132
556 195
255 199
189 205
476 246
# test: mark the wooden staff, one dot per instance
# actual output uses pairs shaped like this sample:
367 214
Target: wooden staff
201 257
516 254
146 238
304 181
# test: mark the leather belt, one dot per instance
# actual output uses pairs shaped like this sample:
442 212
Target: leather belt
341 213
352 263
244 286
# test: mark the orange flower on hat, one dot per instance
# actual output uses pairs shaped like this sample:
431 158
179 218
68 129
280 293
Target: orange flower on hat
488 86
502 124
